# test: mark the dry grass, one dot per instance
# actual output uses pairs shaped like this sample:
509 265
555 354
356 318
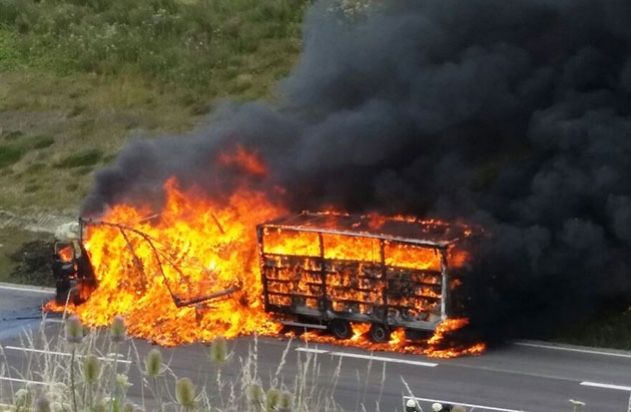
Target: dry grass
64 372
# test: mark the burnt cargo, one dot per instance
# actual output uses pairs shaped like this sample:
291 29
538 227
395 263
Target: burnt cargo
327 270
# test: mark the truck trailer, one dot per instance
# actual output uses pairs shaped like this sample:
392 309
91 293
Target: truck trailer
324 271
327 270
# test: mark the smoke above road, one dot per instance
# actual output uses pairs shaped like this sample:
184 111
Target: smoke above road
513 115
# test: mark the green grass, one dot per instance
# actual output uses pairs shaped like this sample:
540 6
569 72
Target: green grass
10 154
42 142
188 44
83 76
608 330
11 240
82 158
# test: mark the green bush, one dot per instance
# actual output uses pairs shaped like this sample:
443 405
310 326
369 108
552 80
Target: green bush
42 142
82 158
10 154
12 135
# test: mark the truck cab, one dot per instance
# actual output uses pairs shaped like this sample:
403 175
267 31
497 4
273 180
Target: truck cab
71 266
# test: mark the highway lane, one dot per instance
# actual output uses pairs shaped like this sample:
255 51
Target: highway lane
20 307
527 376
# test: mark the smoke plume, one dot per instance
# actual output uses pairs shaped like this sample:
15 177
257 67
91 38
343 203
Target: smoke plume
514 115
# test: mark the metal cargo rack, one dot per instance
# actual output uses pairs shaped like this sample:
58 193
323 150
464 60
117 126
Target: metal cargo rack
323 288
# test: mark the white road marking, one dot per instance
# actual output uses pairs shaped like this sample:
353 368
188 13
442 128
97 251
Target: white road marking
16 288
384 359
108 359
367 357
578 350
607 386
470 405
311 350
3 378
53 320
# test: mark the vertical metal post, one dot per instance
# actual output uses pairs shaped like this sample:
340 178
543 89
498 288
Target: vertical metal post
444 290
384 278
323 301
259 238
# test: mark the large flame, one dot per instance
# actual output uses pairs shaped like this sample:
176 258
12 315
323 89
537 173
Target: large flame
193 248
157 269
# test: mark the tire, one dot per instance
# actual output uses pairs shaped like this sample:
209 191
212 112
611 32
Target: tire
62 288
416 335
379 333
340 329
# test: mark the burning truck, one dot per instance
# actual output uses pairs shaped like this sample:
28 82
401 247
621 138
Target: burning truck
329 271
386 272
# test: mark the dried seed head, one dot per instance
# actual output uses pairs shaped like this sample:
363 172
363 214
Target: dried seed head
272 400
437 407
91 369
117 329
23 398
219 351
42 404
458 408
185 393
122 381
74 329
255 394
285 402
153 363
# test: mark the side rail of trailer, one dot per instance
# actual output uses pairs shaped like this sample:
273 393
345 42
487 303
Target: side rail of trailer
330 279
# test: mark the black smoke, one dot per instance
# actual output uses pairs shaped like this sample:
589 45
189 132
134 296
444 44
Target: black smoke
515 115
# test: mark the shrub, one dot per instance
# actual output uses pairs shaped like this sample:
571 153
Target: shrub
42 142
82 158
10 154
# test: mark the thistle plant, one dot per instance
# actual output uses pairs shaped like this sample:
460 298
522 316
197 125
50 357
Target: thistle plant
272 400
185 394
74 330
22 400
219 351
74 336
117 330
286 400
91 369
255 395
153 370
42 404
91 375
117 335
153 363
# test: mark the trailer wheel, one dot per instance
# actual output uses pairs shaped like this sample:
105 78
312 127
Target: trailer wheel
340 328
416 335
379 333
62 289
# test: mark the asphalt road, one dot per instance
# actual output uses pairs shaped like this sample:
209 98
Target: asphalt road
525 376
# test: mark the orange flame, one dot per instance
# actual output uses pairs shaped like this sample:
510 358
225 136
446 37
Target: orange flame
66 253
197 247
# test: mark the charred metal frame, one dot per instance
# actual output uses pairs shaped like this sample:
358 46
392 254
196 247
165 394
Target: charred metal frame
269 262
161 259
